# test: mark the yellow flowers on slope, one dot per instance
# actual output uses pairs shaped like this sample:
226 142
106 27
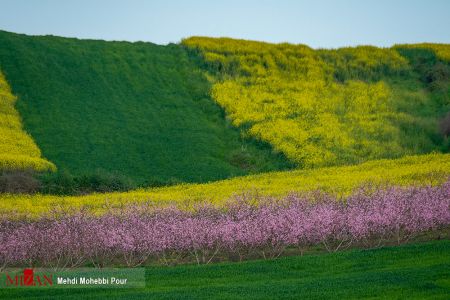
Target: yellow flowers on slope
317 107
17 149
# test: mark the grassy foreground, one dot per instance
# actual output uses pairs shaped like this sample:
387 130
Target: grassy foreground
410 170
414 271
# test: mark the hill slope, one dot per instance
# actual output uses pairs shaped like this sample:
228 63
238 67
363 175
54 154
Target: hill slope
331 107
139 110
210 108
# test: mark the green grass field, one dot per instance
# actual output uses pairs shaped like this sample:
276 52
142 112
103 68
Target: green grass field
415 271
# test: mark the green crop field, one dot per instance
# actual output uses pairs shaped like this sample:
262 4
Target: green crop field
417 271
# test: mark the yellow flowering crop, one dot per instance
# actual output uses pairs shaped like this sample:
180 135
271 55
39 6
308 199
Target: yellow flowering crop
410 170
321 107
17 148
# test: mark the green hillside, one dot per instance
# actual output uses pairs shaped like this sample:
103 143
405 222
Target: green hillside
135 110
214 108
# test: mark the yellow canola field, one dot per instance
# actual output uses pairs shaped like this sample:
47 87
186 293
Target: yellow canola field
17 149
410 170
323 108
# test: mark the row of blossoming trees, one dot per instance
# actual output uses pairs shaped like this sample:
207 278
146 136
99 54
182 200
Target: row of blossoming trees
243 229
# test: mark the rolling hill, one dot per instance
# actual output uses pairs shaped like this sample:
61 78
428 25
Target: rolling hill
214 108
140 111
